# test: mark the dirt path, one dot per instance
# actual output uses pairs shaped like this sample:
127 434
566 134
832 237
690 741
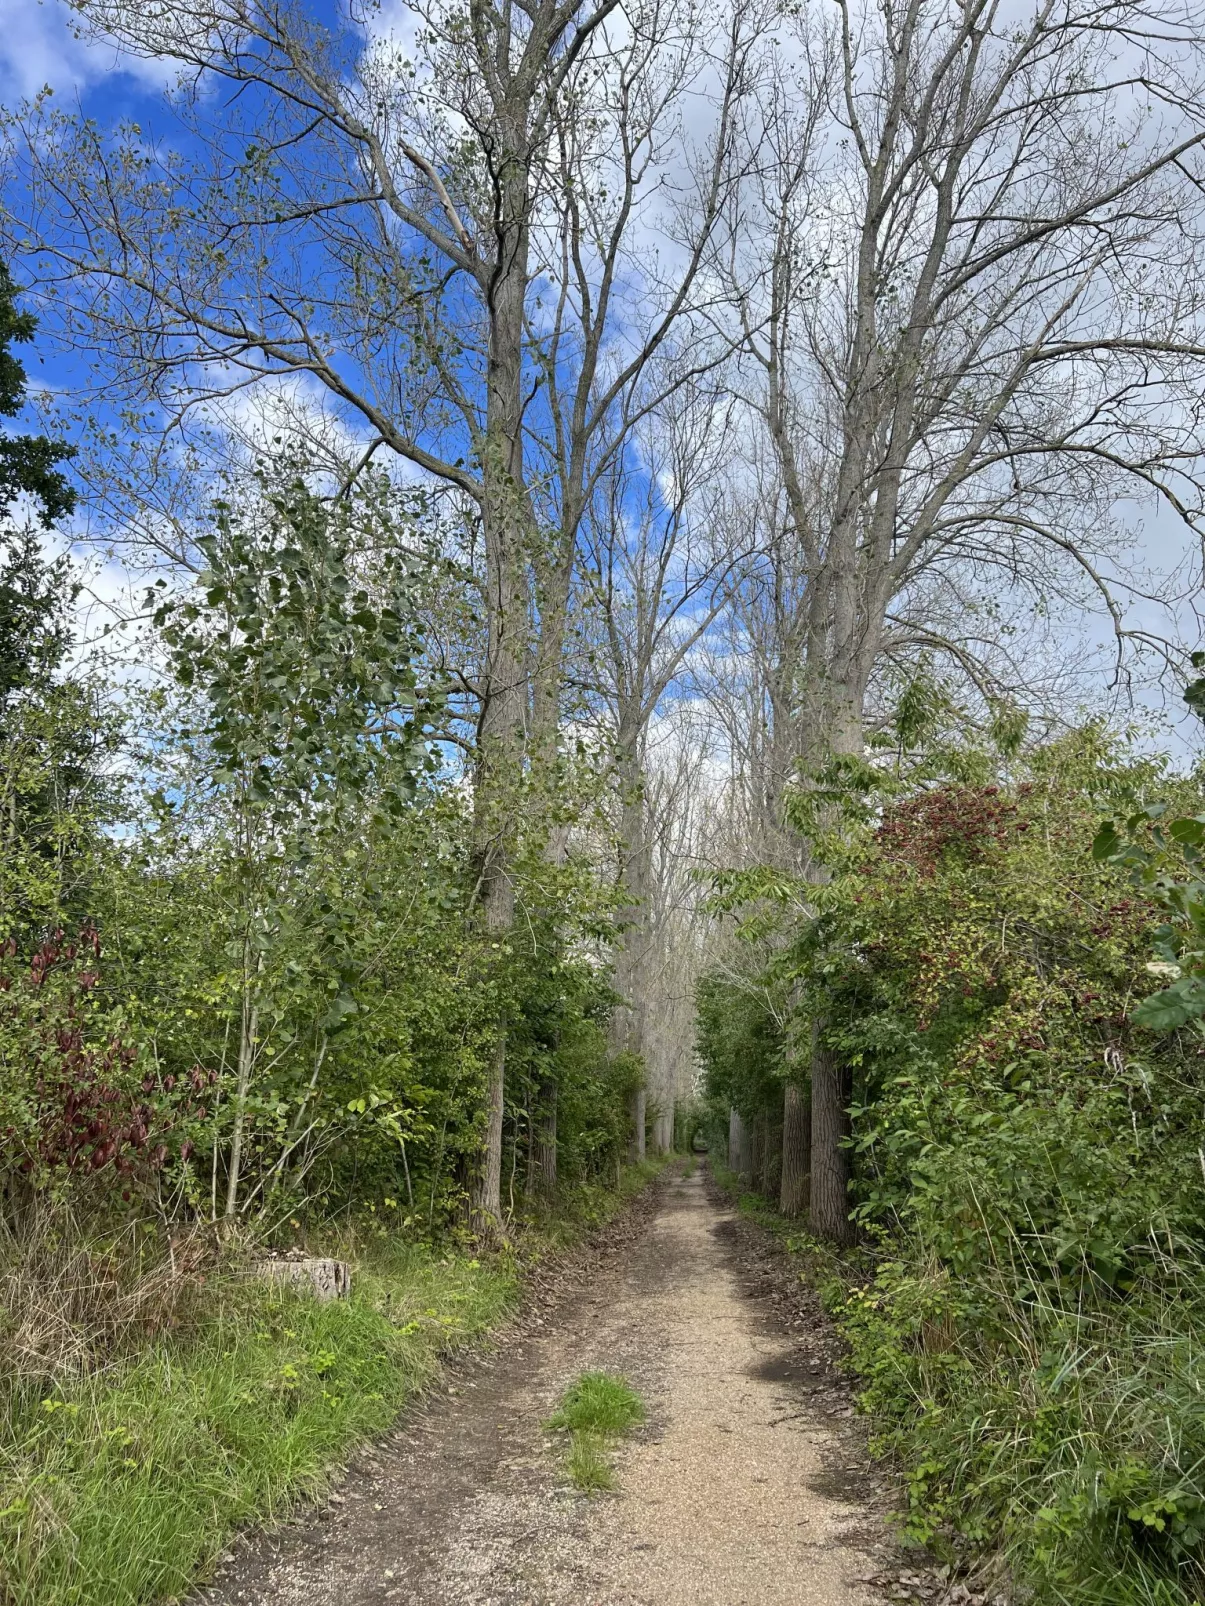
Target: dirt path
747 1487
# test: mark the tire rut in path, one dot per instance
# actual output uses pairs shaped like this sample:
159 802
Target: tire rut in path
747 1487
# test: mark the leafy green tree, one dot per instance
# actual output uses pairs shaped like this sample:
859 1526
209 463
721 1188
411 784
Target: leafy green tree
32 591
299 645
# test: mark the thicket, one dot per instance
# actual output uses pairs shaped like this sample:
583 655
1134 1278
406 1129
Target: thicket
1010 988
243 974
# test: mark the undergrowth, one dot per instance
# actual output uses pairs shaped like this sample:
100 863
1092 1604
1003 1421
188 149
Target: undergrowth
1015 993
599 1408
1054 1442
120 1485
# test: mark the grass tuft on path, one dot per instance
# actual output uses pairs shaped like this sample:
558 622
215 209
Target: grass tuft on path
599 1408
588 1463
599 1403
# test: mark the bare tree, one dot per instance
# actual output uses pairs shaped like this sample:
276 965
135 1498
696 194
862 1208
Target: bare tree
439 247
654 581
968 273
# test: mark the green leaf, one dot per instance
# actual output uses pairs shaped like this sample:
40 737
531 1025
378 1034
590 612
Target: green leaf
1106 844
1174 1006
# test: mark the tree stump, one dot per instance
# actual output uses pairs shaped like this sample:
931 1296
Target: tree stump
326 1279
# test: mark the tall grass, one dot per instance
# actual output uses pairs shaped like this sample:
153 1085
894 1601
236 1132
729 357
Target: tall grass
120 1487
1043 1420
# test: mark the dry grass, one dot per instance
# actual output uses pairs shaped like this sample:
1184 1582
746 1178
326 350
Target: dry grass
73 1300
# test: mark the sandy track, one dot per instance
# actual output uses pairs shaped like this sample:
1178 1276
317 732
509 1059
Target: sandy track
747 1487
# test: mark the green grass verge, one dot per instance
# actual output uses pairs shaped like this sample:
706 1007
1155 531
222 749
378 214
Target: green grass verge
122 1488
596 1410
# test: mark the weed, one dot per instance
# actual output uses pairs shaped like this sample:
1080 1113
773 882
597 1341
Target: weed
595 1410
588 1465
599 1403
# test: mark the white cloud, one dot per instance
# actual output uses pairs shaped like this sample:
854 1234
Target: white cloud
41 43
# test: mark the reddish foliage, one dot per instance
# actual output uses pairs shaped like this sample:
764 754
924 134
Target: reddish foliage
86 1114
966 819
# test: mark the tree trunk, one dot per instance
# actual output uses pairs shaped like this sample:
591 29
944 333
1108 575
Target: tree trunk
836 731
829 1205
487 1191
541 1171
738 1147
248 1033
796 1152
639 1101
506 519
630 946
757 1151
663 1129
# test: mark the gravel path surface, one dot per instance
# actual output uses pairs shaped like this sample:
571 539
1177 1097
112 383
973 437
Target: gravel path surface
748 1486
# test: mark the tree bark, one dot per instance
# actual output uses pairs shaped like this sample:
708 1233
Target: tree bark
487 1192
639 1102
738 1146
757 1151
542 1166
829 1205
837 730
248 1035
506 519
631 947
796 1151
663 1129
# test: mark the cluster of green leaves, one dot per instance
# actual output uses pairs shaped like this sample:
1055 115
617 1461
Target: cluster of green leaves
1027 1156
293 916
1164 854
739 1040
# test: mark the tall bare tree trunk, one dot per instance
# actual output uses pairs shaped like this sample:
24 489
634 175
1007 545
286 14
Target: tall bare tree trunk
757 1151
506 520
663 1127
639 1105
796 1151
837 731
631 945
829 1205
738 1146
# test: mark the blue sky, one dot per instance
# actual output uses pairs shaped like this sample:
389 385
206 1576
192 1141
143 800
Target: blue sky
39 46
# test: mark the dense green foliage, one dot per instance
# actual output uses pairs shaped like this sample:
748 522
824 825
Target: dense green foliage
248 997
251 983
1026 1308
